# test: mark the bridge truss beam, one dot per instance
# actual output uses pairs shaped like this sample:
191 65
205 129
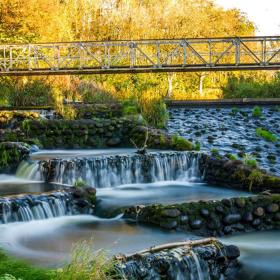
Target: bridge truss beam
142 56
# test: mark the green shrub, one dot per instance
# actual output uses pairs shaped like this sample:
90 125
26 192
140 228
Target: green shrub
267 135
181 144
234 111
249 87
155 113
250 161
94 93
32 93
257 112
215 152
197 146
255 179
130 107
231 156
79 183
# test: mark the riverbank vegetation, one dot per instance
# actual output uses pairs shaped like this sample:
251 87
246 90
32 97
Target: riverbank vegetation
84 265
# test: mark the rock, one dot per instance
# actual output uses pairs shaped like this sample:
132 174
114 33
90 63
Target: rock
113 141
238 227
232 219
277 217
219 209
78 192
34 149
254 199
232 252
248 217
227 202
214 224
240 202
228 230
172 213
196 224
169 224
82 203
90 190
256 222
204 212
259 212
184 218
272 208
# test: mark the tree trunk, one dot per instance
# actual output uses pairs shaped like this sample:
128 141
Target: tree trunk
170 77
201 79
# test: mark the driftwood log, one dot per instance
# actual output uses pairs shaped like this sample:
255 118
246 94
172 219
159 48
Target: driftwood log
194 259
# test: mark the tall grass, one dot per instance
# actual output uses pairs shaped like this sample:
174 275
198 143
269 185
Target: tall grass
87 265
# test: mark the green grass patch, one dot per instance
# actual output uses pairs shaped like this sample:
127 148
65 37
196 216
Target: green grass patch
21 270
250 161
234 111
267 135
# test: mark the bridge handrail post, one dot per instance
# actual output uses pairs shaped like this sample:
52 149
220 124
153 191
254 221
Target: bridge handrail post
237 42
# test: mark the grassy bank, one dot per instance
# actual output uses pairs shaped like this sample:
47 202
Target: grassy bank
11 269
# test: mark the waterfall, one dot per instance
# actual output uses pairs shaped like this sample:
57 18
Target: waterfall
176 264
113 170
35 207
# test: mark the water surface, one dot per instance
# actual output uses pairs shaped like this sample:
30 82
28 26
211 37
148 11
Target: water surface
49 242
260 255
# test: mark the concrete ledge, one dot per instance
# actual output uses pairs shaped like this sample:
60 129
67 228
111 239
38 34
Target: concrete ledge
223 102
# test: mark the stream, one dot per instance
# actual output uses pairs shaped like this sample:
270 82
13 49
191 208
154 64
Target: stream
171 177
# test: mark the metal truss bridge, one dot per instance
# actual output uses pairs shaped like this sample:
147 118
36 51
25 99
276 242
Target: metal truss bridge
141 56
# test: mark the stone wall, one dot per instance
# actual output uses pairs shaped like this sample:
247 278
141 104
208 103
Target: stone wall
92 133
214 218
235 174
90 111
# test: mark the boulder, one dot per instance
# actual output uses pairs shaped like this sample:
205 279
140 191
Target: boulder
231 219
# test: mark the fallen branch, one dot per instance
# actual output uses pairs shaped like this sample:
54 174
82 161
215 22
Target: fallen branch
167 246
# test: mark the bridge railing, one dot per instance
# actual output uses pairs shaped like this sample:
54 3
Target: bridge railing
208 54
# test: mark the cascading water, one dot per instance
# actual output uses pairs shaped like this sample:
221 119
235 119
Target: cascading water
113 170
28 207
175 264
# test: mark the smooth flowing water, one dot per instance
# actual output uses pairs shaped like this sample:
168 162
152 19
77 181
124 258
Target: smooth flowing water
260 255
12 185
49 242
166 192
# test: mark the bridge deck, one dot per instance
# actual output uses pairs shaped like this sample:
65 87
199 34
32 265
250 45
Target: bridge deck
141 56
